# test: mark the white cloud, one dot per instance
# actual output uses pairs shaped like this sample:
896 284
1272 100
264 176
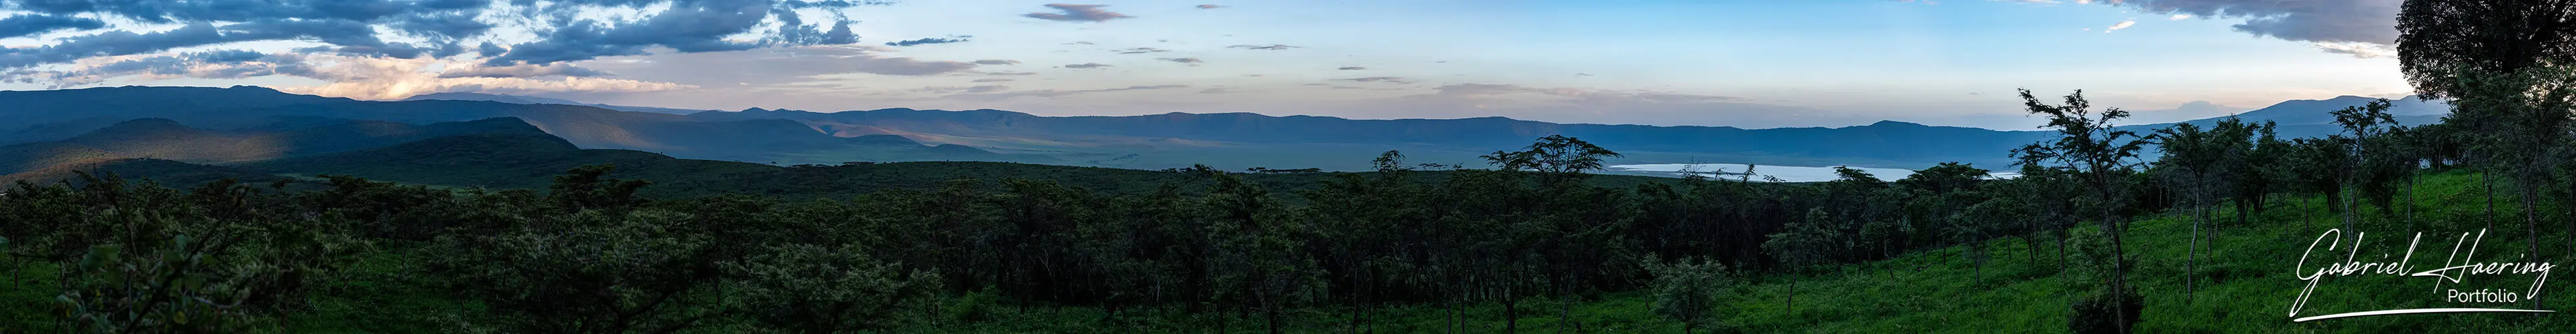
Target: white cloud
2121 25
2179 17
2358 49
390 78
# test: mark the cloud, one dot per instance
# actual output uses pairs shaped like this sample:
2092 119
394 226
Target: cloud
1392 80
1191 61
2179 17
520 71
1352 68
2364 21
1219 90
933 40
997 62
1077 13
1210 6
993 80
1050 93
1087 65
210 64
564 29
772 66
1139 50
972 89
393 78
2357 49
688 26
1273 47
31 24
2121 25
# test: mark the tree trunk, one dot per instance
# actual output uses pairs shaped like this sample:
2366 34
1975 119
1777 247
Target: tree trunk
2191 261
1793 296
1511 314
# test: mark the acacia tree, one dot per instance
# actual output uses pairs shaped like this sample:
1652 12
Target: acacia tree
2089 143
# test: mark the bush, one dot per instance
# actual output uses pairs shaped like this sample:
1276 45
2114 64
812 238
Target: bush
2096 313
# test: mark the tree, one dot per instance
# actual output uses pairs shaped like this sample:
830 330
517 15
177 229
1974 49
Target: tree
1687 291
1804 244
2202 163
2089 143
2439 41
812 289
2362 122
1556 158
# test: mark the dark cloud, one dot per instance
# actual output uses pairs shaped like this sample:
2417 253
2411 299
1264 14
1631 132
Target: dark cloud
521 71
1218 90
690 26
1191 61
994 80
1392 80
792 30
111 43
932 40
220 64
1273 47
1015 73
437 28
1077 13
31 24
444 26
997 62
1087 65
1210 6
1139 50
1352 68
2366 21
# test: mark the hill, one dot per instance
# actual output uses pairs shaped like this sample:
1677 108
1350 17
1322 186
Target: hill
517 99
51 114
156 138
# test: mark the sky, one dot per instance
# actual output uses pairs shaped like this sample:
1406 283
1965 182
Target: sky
1750 64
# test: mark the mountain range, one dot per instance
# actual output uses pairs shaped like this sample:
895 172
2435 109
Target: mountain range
259 130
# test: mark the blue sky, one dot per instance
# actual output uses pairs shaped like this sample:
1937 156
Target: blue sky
1749 64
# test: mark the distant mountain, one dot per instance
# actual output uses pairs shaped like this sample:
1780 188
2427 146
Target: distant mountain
55 114
517 99
2410 111
164 139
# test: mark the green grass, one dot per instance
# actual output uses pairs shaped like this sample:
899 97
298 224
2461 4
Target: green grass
2245 284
